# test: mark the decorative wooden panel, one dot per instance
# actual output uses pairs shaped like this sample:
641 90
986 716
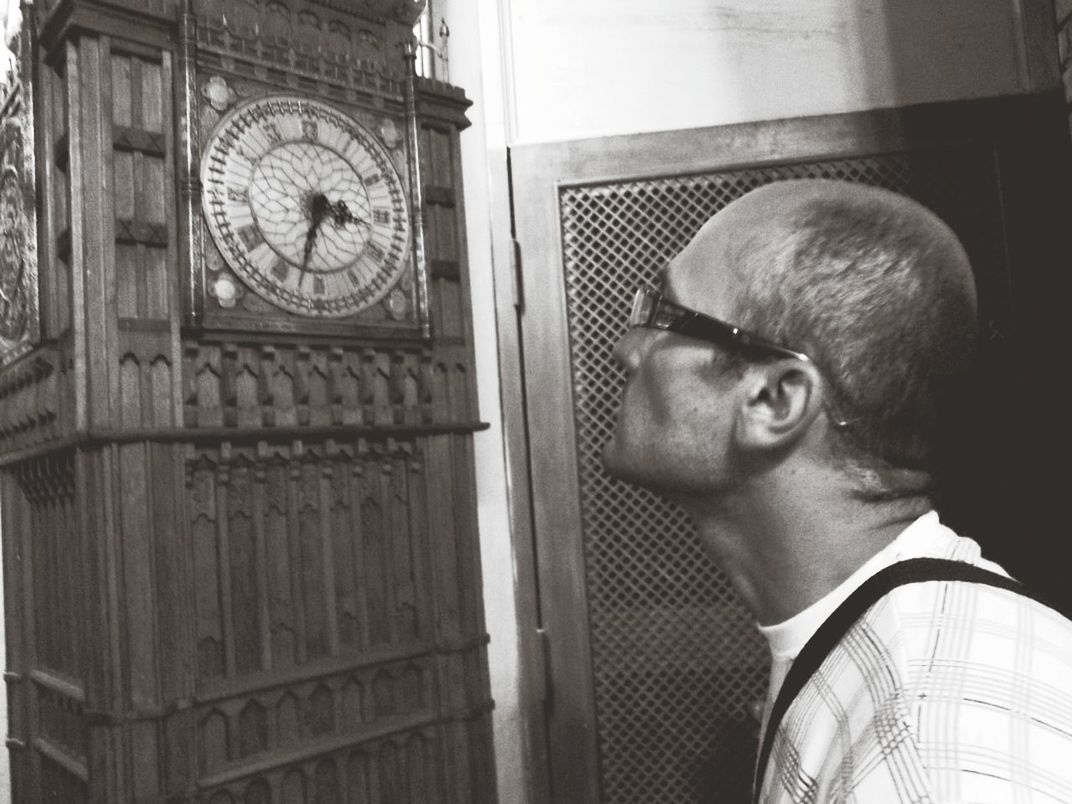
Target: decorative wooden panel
264 385
141 126
54 556
303 553
43 540
56 280
324 613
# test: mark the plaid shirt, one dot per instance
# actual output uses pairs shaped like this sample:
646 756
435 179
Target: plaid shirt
944 691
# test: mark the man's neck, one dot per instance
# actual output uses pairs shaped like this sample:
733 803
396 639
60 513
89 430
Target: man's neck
781 559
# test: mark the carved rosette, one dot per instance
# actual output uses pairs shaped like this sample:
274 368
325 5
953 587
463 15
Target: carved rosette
18 220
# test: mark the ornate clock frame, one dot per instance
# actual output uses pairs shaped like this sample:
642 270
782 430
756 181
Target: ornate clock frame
240 549
225 60
308 209
394 314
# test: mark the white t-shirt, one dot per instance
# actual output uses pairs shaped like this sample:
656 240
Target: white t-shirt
926 537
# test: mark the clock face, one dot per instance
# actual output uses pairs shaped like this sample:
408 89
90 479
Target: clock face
13 299
305 206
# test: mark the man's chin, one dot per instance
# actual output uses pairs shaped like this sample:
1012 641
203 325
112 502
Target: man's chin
611 459
620 466
627 468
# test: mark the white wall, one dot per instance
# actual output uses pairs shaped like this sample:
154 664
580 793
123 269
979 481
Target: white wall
583 68
549 70
468 52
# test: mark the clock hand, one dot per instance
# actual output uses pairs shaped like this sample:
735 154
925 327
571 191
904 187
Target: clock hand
342 215
318 207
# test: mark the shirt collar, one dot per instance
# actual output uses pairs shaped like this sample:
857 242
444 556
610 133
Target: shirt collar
922 537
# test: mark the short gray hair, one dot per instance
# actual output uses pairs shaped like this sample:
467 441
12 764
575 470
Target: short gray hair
878 291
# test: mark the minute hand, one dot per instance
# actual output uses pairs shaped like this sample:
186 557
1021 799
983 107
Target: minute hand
318 207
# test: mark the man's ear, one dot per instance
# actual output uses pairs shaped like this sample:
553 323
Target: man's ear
778 402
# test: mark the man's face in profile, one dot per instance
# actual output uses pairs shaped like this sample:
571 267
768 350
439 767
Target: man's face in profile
672 429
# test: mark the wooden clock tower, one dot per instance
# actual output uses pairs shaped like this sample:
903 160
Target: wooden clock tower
236 410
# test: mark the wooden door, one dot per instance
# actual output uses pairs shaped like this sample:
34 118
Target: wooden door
653 665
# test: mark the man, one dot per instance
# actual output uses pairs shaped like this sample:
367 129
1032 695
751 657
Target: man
802 444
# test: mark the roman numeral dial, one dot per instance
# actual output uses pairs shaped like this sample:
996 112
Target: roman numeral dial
305 205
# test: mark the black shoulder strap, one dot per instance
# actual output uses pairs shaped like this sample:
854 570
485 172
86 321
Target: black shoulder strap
915 570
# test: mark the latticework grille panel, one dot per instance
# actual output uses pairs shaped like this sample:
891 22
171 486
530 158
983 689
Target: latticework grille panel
676 660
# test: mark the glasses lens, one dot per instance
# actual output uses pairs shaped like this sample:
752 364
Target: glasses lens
644 305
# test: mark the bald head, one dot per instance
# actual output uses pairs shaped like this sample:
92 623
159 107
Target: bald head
775 229
870 284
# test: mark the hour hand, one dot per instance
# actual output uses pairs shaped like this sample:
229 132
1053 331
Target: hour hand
341 214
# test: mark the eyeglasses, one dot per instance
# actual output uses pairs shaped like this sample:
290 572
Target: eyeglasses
654 311
651 309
